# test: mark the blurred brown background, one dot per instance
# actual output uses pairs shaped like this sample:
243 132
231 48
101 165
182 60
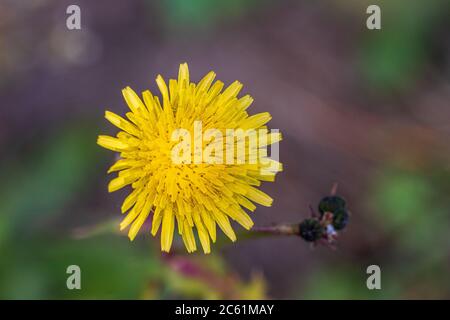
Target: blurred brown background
367 109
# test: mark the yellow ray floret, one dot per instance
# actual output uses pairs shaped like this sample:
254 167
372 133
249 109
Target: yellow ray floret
189 195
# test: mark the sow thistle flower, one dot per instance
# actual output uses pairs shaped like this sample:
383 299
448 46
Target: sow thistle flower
191 194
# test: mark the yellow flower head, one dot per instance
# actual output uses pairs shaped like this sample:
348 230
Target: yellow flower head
197 182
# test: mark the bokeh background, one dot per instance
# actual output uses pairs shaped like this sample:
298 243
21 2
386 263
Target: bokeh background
367 109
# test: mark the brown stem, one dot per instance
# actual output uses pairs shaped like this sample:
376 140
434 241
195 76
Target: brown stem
282 229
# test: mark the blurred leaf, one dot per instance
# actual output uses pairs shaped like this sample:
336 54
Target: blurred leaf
189 288
105 227
53 175
110 269
391 62
208 277
346 282
402 197
407 203
201 14
391 58
255 289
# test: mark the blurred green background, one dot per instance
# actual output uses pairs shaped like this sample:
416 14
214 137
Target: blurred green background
368 109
